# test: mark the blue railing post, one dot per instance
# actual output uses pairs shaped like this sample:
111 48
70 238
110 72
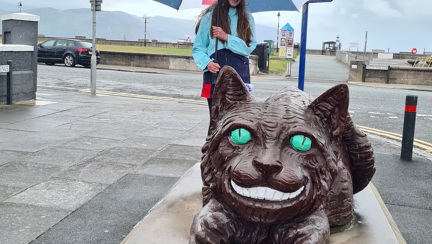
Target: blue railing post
303 41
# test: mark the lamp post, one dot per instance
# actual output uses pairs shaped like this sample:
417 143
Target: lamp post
20 6
364 52
145 29
277 41
96 5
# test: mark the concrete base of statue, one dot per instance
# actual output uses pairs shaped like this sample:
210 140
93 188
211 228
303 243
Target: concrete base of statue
170 220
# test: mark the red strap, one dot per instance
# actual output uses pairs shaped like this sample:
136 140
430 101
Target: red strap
410 108
206 91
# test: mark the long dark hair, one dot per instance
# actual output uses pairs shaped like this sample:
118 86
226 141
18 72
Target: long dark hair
244 30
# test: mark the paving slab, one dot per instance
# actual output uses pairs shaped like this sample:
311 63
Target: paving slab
58 194
165 167
170 133
149 143
7 156
60 156
8 135
90 143
30 143
110 215
34 125
8 191
20 224
414 223
180 152
24 113
24 175
96 171
124 155
406 190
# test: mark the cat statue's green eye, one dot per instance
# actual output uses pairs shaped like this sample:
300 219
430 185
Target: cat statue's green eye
240 136
301 143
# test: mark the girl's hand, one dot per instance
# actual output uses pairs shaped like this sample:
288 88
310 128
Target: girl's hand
219 33
213 67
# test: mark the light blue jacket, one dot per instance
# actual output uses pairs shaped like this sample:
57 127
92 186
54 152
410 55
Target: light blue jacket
204 45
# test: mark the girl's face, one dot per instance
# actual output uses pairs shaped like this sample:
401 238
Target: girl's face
234 3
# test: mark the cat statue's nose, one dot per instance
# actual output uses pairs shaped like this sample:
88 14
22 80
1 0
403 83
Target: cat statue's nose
269 167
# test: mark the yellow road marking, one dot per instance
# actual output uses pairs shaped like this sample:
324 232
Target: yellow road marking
417 143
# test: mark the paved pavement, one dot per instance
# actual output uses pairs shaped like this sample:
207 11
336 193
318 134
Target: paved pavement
76 168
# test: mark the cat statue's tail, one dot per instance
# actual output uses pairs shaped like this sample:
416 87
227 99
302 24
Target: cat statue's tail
361 155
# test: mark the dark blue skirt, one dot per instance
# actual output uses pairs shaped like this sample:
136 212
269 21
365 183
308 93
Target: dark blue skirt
226 57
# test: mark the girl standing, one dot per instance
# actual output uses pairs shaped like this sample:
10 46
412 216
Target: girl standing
235 34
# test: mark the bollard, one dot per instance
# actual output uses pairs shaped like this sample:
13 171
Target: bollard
288 69
409 128
9 84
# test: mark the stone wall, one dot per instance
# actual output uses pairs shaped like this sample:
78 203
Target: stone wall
377 75
360 72
160 61
411 76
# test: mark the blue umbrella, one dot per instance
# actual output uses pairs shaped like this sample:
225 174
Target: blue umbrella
253 5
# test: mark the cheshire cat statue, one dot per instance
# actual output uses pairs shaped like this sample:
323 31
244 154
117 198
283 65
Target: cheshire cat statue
279 171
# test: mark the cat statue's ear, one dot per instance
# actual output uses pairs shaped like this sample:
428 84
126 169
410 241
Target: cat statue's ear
332 108
229 91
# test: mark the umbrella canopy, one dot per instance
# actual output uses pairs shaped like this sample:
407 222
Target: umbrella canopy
252 5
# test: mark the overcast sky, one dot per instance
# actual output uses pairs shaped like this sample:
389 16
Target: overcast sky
394 25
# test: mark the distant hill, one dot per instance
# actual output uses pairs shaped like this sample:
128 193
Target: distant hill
117 25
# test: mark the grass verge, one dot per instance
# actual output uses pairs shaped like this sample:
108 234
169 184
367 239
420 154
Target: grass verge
276 65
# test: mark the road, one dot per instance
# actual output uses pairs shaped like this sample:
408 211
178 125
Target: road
373 107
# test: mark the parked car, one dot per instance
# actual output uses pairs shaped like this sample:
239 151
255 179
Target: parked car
67 51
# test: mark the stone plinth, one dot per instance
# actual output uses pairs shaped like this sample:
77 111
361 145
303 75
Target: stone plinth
170 220
19 39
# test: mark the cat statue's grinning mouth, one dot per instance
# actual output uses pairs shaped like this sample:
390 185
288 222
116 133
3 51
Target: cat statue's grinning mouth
265 193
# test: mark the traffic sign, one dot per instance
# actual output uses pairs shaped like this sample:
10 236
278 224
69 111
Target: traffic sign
4 68
414 50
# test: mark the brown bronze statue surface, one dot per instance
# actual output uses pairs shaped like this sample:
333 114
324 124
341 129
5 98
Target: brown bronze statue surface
280 171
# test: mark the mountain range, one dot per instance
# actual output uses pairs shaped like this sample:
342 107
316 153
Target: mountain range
118 25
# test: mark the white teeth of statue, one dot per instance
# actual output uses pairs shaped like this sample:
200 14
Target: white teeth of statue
265 193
